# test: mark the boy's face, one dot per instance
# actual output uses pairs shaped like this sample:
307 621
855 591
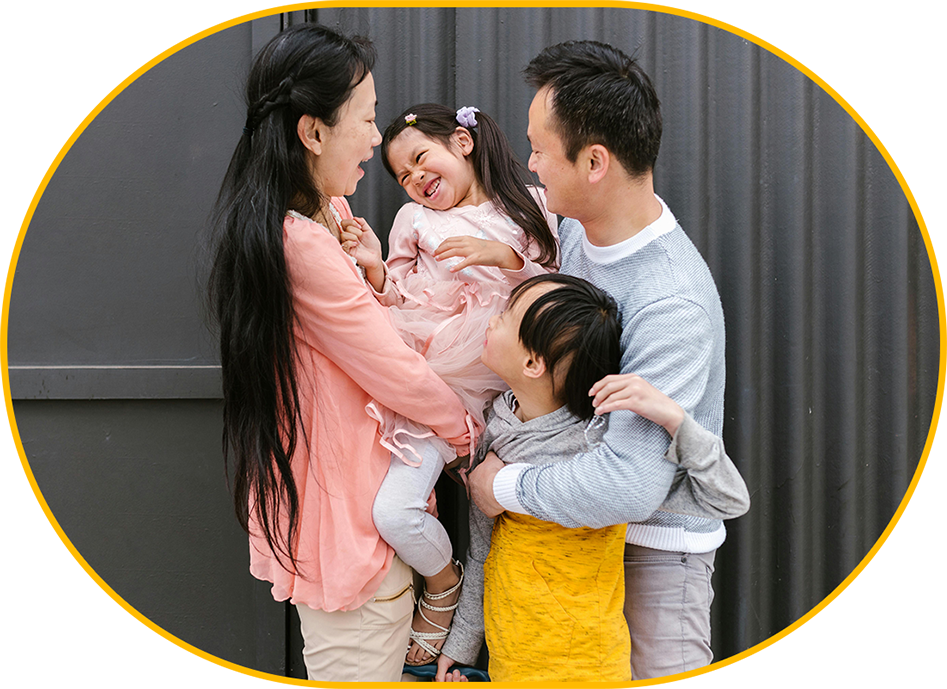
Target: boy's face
502 349
503 352
548 159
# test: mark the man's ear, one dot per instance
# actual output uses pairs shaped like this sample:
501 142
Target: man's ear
311 131
598 160
534 367
462 138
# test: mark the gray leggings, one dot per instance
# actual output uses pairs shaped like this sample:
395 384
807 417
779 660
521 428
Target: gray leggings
400 512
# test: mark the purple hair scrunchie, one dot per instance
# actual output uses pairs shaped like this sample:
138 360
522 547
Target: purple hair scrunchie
466 117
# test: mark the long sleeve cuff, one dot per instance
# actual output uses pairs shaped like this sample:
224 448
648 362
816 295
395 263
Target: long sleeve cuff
504 487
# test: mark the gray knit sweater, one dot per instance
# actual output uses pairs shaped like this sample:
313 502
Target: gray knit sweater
673 337
710 486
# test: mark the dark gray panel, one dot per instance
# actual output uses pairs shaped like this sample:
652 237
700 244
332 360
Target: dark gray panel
139 489
107 269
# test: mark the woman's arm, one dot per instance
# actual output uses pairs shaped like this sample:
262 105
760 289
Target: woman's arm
337 316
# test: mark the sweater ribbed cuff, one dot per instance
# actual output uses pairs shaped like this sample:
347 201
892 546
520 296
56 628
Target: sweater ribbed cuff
504 487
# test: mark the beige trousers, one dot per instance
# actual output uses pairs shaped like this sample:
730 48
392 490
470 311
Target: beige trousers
367 644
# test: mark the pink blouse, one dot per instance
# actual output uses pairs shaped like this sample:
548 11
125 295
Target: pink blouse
348 355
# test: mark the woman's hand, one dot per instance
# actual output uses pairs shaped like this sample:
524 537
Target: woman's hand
443 665
478 252
359 241
634 393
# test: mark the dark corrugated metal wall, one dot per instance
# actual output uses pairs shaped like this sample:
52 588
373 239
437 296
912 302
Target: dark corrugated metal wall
832 324
832 345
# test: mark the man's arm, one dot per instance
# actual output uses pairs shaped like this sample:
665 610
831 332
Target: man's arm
626 477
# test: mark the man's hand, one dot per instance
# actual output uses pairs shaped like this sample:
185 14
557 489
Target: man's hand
480 481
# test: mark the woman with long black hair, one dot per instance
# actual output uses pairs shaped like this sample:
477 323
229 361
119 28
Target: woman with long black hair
304 347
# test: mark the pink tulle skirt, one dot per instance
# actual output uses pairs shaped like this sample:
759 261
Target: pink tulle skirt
446 321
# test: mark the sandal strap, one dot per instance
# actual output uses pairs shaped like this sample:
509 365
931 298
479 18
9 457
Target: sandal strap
444 594
437 608
433 652
436 635
422 638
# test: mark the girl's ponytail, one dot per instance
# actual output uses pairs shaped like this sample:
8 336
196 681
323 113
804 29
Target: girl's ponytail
504 179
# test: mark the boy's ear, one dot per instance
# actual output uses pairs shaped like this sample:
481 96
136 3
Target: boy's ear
534 367
461 137
598 160
312 132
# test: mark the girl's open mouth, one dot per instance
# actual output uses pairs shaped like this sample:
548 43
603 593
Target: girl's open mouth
432 188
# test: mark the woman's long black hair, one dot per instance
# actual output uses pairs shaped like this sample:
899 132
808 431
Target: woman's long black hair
305 70
503 177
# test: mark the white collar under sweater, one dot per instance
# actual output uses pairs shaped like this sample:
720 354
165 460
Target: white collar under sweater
609 254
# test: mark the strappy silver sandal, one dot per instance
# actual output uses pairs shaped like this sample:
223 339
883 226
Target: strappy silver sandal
423 639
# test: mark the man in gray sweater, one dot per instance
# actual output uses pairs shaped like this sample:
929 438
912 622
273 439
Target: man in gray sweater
595 129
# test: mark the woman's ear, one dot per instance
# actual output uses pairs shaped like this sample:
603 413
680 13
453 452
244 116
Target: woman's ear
311 131
462 138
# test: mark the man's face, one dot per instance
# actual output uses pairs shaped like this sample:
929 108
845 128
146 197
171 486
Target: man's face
548 159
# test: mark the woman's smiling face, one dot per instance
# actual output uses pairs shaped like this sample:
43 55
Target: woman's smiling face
435 175
349 143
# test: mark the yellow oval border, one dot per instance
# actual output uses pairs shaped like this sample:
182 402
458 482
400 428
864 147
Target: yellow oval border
882 63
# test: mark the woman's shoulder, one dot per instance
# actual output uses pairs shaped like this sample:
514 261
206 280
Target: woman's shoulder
307 241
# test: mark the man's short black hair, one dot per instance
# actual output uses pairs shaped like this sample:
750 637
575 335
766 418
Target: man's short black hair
600 96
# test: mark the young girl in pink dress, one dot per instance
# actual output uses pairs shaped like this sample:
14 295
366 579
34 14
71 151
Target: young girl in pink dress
473 231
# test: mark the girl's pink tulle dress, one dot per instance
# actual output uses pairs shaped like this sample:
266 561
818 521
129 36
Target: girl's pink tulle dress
444 315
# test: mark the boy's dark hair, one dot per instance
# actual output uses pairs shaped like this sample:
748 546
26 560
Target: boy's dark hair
503 177
576 325
600 96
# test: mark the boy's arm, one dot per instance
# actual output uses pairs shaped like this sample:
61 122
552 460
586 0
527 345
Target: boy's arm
712 486
626 477
466 636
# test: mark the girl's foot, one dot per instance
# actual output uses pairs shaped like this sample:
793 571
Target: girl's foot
432 621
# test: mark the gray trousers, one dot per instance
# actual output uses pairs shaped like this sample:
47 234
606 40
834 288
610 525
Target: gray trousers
400 511
667 607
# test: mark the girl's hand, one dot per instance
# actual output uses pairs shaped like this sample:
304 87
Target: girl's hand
359 241
632 392
443 664
478 252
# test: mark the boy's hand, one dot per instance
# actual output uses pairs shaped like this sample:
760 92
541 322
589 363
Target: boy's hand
443 665
478 252
632 392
